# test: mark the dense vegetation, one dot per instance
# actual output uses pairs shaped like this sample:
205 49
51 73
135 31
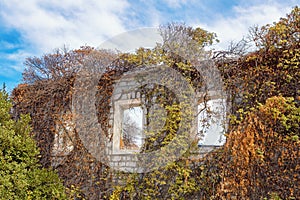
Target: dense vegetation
261 157
21 176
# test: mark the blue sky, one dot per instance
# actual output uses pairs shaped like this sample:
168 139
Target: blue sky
35 27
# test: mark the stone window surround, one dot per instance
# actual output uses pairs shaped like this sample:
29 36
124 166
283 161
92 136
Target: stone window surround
119 107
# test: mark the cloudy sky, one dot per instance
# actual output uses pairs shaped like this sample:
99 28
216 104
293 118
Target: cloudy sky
35 27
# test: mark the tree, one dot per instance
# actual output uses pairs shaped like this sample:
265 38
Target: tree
64 63
21 176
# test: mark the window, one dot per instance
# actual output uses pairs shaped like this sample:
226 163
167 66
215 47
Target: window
211 123
63 139
132 128
128 126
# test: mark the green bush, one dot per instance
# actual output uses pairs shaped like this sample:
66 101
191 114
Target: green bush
21 176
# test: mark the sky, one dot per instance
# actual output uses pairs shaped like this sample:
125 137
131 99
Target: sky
35 27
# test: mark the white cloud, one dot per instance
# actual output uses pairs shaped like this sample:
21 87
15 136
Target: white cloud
18 54
7 45
7 72
19 57
234 28
74 23
132 40
175 3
